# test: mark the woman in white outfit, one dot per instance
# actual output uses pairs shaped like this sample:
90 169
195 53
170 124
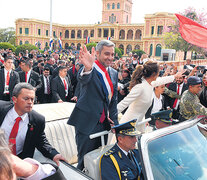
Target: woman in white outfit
144 79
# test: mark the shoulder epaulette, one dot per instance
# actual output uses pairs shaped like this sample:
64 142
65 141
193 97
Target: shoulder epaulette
110 151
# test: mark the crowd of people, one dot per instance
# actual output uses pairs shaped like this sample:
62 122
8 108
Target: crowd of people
137 87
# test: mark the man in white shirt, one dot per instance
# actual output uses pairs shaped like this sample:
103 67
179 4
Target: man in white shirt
8 79
61 86
24 127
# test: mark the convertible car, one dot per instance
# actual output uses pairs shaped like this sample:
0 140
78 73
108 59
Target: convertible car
176 152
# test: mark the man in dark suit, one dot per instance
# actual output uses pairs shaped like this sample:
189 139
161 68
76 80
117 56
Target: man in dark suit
39 67
73 72
49 64
96 108
61 87
28 75
55 72
24 128
44 94
122 161
178 86
8 79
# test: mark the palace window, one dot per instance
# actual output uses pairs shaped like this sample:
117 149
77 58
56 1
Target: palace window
47 32
108 6
159 30
158 50
113 6
20 30
152 30
39 32
54 35
26 42
60 34
20 42
112 18
118 6
26 30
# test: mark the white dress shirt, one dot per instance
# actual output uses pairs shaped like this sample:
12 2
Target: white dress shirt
157 105
43 171
28 75
45 84
6 87
8 124
180 92
66 90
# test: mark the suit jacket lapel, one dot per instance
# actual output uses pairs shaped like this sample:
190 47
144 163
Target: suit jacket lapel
3 78
30 131
4 112
11 78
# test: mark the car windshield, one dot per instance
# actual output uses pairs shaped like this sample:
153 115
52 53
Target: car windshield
180 155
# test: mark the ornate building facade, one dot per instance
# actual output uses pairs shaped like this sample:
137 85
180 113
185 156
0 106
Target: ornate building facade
116 24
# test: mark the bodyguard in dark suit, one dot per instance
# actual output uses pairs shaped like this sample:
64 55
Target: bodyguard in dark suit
122 161
28 75
96 107
61 86
44 94
8 79
172 102
30 125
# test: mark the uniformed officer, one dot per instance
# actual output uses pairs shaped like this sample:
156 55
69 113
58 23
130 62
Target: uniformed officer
190 105
162 119
122 161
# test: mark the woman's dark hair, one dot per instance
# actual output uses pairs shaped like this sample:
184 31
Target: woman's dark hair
150 68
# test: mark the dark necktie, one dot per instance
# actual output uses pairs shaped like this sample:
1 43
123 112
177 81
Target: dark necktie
13 135
48 85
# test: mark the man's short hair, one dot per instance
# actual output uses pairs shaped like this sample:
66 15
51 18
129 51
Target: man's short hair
20 86
7 58
46 69
99 46
62 67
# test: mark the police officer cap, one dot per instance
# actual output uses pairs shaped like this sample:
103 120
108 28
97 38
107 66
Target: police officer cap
194 80
127 128
164 116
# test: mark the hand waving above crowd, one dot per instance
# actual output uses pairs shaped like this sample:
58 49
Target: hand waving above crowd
87 58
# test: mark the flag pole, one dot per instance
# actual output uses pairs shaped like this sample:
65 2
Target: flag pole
50 23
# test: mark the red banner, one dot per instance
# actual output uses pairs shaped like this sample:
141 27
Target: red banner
192 32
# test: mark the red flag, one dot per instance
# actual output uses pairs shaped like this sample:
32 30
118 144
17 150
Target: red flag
192 32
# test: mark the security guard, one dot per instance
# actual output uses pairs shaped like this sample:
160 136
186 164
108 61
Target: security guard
162 119
122 161
190 105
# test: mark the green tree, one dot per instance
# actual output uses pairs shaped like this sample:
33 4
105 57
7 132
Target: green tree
24 47
139 52
7 35
172 37
90 45
118 51
6 45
